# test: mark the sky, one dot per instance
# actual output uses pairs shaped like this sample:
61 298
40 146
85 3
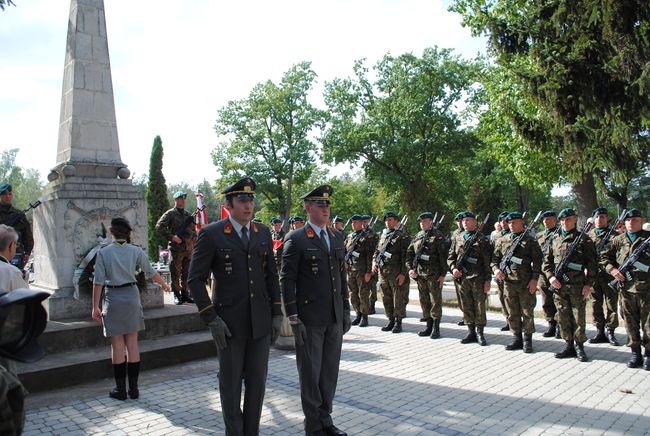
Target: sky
175 64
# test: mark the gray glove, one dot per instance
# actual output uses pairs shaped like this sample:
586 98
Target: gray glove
299 332
220 332
276 326
347 323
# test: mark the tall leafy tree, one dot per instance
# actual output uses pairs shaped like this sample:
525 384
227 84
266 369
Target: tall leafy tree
156 197
268 136
26 183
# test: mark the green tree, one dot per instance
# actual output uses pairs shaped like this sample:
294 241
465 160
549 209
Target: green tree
268 137
156 197
209 200
26 183
4 3
584 64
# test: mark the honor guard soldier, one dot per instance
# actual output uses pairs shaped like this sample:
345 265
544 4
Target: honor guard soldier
601 293
571 290
177 226
359 249
296 222
633 280
373 240
426 261
15 218
520 280
505 230
339 225
278 235
544 239
459 229
316 302
469 261
244 314
389 261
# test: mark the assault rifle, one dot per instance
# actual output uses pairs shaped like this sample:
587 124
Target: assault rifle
366 229
549 240
507 260
631 262
381 257
31 206
434 226
609 233
463 256
186 223
564 264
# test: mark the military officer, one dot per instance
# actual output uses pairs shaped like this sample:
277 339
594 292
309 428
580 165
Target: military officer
505 230
278 235
475 281
244 313
570 294
635 293
15 218
359 249
426 261
372 239
520 283
459 229
601 292
177 226
316 301
389 261
296 222
544 239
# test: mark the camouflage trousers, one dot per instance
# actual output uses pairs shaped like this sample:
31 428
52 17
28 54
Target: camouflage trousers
359 292
474 301
636 308
521 307
602 293
502 299
571 310
548 300
179 266
458 297
373 289
430 296
394 297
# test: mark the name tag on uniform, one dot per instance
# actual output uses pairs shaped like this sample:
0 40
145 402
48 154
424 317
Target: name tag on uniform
355 254
574 266
641 266
424 257
472 260
517 260
388 255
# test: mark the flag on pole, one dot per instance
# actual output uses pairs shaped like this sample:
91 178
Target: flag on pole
224 212
201 218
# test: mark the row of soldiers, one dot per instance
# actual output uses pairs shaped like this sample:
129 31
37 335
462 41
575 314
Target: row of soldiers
589 262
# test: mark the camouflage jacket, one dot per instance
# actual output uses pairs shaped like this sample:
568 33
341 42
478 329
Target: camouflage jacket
526 261
602 274
583 265
433 257
395 255
618 251
15 218
170 222
360 259
478 261
544 236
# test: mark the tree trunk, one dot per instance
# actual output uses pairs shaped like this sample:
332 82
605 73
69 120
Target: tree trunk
585 192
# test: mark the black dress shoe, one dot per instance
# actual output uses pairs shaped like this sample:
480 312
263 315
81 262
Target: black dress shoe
118 394
134 393
178 300
188 299
333 431
461 322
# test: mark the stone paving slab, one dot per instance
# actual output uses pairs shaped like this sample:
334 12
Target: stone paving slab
392 384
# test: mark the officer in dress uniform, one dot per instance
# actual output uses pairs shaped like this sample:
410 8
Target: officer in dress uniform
244 313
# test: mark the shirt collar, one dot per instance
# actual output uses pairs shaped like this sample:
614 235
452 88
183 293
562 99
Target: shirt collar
3 259
238 226
315 227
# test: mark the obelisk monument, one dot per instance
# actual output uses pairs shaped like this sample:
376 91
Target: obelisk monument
89 184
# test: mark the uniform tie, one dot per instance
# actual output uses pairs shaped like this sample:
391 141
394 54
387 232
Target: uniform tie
323 237
244 236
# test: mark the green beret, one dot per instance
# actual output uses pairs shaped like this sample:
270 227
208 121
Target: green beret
5 187
425 215
633 213
459 216
468 214
600 211
338 219
357 217
179 194
366 217
296 218
564 213
514 216
276 220
390 215
548 213
503 216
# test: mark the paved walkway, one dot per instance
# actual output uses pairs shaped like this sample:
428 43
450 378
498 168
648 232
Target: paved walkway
389 384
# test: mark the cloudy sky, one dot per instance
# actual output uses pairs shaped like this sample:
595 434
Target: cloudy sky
174 64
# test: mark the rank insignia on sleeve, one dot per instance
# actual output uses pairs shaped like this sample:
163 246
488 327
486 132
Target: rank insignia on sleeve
227 229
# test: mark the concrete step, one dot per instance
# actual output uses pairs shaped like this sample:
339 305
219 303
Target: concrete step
62 369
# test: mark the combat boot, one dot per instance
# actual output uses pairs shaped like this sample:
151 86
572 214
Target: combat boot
364 321
646 360
552 328
635 360
528 343
600 337
558 333
435 334
517 343
427 331
569 351
388 327
357 320
611 337
424 319
471 335
398 326
372 309
580 352
505 328
461 322
481 338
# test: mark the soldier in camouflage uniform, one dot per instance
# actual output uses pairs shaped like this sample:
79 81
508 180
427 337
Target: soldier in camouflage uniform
277 234
475 283
393 277
452 235
338 223
181 244
570 294
635 293
359 248
373 239
500 285
601 292
15 218
430 271
544 239
521 283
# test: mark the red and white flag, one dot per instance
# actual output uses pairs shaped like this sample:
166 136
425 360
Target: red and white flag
225 213
201 217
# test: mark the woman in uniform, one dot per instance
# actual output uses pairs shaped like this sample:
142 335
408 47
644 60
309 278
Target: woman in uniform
122 316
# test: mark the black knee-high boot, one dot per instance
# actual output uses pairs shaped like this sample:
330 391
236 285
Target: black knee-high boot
119 371
134 371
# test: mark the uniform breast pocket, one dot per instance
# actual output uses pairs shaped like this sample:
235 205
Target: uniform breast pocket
225 260
314 261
